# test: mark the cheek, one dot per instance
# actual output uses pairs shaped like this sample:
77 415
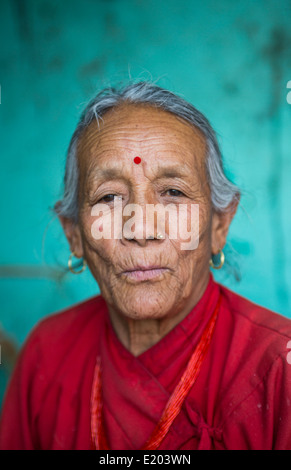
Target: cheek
100 252
205 224
195 252
101 258
193 228
98 246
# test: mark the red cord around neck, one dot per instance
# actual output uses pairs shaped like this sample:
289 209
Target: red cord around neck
174 404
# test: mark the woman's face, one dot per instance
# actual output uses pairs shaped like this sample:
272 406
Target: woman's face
144 278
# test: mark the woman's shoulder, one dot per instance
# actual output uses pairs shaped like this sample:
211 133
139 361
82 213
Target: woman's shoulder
257 316
76 316
67 331
55 364
256 362
257 331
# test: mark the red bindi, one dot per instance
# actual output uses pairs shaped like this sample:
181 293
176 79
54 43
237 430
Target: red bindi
137 160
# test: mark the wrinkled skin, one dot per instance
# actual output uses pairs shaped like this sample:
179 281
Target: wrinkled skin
172 170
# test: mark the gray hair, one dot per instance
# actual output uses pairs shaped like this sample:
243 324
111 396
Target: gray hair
223 191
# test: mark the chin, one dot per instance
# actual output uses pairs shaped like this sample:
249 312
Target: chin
146 302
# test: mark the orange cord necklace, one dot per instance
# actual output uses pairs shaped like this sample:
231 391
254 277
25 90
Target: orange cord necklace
174 404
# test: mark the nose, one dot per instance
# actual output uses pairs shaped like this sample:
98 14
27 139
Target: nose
138 227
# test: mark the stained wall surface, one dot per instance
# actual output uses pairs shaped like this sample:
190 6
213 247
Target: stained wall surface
232 60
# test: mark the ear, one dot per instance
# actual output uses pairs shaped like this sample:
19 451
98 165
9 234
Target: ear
220 225
73 234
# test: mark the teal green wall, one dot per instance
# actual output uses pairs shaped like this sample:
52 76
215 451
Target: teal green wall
231 59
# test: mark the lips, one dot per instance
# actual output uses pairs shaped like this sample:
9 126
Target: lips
142 273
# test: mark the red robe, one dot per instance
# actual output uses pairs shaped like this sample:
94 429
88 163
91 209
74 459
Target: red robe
240 401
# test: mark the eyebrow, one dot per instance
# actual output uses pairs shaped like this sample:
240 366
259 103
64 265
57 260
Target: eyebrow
106 173
174 171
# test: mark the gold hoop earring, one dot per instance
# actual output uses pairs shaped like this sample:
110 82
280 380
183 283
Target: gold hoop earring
70 266
222 259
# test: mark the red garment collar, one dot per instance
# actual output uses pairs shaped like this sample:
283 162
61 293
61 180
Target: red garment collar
157 358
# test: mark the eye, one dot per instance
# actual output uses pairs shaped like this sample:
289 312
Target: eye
108 198
174 192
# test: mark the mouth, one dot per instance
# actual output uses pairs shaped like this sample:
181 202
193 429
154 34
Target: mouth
139 274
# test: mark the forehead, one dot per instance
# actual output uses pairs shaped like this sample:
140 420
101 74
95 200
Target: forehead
155 135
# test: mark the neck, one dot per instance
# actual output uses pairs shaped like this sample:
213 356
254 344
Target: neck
139 335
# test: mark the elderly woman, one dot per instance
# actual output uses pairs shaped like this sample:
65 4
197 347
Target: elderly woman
165 357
